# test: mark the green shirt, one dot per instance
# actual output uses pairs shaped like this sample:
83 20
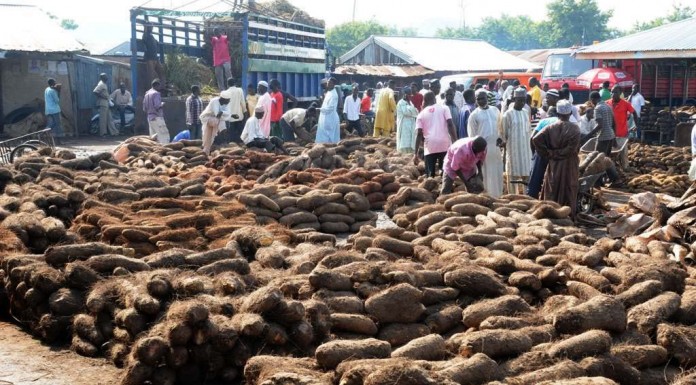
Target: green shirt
605 94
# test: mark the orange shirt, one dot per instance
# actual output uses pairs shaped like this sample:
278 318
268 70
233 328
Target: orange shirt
622 110
365 104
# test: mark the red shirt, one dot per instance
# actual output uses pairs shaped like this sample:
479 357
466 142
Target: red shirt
221 51
365 104
277 106
417 100
622 109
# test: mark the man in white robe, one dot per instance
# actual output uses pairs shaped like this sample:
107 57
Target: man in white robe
328 126
483 122
515 131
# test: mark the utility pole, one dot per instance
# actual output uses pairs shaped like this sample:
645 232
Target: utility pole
354 2
462 6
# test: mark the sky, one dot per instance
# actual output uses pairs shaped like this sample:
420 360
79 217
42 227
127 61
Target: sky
105 24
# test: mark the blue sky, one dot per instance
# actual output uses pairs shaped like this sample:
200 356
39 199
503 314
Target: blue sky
104 24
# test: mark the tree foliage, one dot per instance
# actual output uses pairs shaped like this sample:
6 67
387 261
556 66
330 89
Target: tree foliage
68 24
343 37
569 22
678 12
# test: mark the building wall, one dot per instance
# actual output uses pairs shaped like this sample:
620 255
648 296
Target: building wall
24 80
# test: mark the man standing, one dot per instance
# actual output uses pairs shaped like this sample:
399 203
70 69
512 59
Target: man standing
213 119
604 117
194 107
328 127
426 87
351 111
535 91
101 91
221 58
266 102
458 96
122 99
154 67
435 88
52 110
515 130
605 92
366 103
637 101
252 98
621 109
277 102
483 122
386 108
416 96
454 110
560 144
566 86
435 130
539 163
464 159
507 95
406 114
153 107
238 109
465 112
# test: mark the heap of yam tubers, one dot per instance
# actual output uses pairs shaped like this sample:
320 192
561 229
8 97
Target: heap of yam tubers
187 274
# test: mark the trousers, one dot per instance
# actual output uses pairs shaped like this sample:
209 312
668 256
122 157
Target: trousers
434 162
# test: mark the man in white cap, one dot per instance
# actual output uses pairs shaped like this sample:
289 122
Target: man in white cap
426 87
483 122
253 136
515 130
266 102
213 118
560 144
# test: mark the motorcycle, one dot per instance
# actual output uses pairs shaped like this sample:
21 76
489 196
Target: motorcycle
116 117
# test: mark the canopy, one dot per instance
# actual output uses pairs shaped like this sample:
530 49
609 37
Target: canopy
593 79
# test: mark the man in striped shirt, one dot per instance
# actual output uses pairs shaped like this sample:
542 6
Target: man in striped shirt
604 117
194 106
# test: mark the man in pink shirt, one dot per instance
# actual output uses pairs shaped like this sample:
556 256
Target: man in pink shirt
221 58
435 130
464 160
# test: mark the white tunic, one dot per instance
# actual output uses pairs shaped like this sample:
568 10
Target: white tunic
484 123
515 131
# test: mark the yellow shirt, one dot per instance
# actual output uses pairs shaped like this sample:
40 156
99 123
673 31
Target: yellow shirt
385 118
536 97
251 101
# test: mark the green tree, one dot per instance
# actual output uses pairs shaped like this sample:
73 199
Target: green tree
68 24
456 33
510 33
575 22
343 37
678 12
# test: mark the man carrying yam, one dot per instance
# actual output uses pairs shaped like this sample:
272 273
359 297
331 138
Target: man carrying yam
464 160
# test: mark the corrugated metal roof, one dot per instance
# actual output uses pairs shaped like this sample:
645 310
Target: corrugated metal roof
123 49
678 36
440 54
536 56
383 70
29 29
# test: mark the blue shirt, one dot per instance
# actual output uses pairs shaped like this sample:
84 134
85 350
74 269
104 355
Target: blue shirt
52 101
545 122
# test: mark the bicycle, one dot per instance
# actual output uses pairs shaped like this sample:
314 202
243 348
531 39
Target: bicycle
14 148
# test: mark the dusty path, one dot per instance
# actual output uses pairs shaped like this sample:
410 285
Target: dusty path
25 361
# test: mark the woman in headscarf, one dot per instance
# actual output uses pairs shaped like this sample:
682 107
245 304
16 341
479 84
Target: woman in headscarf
406 114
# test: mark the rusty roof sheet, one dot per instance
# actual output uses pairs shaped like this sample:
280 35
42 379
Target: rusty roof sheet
383 70
676 39
29 29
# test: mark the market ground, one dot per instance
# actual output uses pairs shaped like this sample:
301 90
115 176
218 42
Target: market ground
26 361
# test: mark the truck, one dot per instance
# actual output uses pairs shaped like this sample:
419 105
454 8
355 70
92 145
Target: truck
262 47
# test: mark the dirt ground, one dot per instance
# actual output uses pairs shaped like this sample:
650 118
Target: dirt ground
25 361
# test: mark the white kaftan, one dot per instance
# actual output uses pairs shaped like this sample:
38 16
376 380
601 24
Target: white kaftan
484 123
515 129
328 127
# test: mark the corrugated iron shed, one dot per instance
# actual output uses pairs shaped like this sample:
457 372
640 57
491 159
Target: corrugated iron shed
674 40
438 54
27 28
383 70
